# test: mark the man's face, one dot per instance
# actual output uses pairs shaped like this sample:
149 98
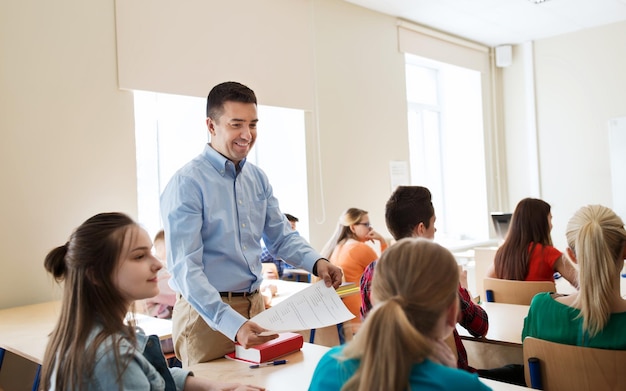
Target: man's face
233 134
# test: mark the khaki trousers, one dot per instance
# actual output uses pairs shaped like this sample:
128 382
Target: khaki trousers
195 341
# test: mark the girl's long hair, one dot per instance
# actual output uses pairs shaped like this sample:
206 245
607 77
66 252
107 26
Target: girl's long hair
85 265
415 282
529 227
342 232
597 237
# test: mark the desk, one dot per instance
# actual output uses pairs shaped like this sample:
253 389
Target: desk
284 289
503 343
506 322
293 376
24 330
162 328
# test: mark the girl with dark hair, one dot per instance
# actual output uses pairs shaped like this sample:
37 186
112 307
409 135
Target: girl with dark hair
527 253
105 266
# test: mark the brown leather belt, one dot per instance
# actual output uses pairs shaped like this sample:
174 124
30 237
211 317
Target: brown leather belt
239 294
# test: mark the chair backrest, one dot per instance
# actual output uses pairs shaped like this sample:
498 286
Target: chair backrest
515 292
569 367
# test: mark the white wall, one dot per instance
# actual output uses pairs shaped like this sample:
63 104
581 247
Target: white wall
580 84
66 134
362 112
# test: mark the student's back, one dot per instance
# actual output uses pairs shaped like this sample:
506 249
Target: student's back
595 316
527 253
415 307
332 373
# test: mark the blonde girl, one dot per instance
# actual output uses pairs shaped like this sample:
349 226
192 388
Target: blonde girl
348 249
415 292
595 316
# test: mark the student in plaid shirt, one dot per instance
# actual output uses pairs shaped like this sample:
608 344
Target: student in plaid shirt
410 213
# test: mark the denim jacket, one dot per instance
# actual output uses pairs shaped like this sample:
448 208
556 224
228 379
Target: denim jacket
146 370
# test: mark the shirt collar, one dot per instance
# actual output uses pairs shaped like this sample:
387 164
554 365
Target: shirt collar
219 162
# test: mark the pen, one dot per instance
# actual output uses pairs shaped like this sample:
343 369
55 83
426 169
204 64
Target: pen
267 364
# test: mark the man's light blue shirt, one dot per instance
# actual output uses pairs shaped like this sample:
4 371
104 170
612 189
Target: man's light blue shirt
214 219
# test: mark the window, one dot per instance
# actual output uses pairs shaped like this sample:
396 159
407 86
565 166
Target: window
170 130
446 144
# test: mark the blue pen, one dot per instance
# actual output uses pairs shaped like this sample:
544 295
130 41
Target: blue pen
267 364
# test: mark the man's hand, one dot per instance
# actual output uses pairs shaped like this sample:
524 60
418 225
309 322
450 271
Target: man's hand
331 274
248 335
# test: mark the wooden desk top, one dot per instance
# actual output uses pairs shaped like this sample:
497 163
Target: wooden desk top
506 322
24 330
293 376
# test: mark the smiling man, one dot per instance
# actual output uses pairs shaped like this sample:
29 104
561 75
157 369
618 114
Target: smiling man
215 210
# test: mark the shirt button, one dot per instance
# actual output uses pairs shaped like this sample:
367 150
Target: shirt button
243 225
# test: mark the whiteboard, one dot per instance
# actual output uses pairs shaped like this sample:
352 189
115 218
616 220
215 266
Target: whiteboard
617 147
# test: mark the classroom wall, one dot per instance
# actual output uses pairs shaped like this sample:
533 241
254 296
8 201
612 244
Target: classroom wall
362 112
580 84
67 148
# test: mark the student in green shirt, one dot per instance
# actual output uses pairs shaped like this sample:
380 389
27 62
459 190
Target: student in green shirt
595 316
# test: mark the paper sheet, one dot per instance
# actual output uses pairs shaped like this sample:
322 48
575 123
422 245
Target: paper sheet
314 307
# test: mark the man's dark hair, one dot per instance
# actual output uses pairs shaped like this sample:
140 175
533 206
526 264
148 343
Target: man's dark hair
406 208
224 92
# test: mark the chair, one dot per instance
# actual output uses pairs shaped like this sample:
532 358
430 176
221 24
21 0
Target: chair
514 292
21 383
569 367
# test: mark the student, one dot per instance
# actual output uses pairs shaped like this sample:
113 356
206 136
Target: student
266 257
347 249
409 212
595 316
162 304
527 253
416 303
215 211
105 266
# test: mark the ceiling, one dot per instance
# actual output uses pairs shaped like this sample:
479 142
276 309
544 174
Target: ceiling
500 22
